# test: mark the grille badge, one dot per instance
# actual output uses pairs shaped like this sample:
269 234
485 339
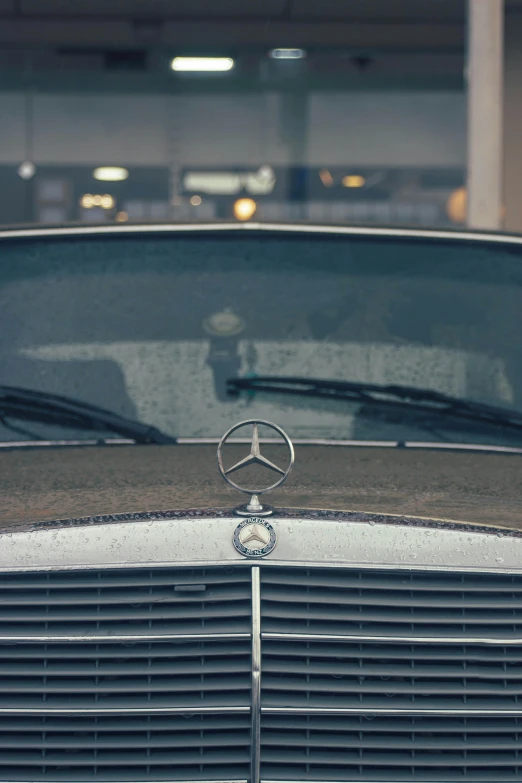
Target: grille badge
254 537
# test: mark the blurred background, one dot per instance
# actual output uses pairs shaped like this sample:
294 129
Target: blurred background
342 111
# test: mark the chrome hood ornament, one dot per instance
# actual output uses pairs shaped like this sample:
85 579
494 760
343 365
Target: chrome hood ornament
255 458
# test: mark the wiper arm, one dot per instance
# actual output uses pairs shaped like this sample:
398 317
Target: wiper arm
45 408
396 397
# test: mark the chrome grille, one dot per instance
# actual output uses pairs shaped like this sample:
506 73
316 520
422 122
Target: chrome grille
390 676
133 676
402 748
395 603
125 675
125 748
135 602
150 675
377 676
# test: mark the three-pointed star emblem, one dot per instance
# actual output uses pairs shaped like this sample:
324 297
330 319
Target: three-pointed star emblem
255 533
255 457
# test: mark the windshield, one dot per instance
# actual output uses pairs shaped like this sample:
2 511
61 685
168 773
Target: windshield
152 326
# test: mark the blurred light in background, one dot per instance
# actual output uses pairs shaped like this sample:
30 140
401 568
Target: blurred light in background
122 217
107 201
353 181
26 170
202 64
287 54
266 172
457 205
257 182
217 182
195 201
110 173
244 208
262 181
326 178
88 201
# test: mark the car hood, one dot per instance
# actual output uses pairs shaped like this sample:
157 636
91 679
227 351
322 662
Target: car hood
73 483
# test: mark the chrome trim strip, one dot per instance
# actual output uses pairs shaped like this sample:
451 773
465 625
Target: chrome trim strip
413 444
106 639
390 566
370 444
311 637
382 711
390 444
152 228
266 563
255 740
124 711
304 228
383 232
16 444
148 566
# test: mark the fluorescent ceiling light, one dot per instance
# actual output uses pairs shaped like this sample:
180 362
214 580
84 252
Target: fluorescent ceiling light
229 182
110 173
287 54
202 64
215 182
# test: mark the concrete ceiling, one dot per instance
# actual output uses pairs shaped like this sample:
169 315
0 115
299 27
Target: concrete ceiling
40 29
322 23
261 9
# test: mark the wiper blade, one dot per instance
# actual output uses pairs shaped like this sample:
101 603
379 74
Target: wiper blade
54 409
395 397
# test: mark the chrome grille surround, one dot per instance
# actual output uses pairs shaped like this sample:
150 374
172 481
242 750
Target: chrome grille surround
357 670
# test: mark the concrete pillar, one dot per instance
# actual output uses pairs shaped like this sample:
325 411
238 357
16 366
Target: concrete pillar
485 107
513 122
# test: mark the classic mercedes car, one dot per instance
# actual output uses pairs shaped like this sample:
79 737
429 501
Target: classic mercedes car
261 505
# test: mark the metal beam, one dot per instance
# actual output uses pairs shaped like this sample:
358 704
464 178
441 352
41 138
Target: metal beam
485 106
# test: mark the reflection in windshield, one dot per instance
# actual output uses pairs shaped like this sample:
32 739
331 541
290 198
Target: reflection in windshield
183 387
152 328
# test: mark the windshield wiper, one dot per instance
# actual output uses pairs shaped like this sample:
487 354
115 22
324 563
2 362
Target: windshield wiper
53 409
397 398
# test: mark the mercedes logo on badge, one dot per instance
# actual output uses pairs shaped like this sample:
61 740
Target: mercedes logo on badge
254 537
